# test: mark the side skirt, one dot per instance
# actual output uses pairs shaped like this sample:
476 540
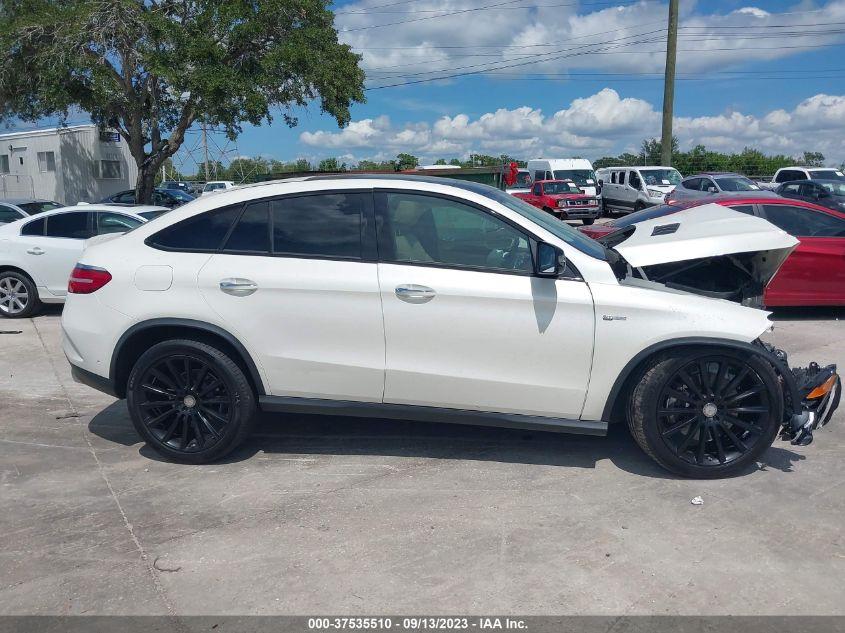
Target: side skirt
284 404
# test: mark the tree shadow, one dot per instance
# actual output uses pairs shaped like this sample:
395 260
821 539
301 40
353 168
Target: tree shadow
301 434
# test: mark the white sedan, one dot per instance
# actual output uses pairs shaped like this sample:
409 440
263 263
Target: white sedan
37 254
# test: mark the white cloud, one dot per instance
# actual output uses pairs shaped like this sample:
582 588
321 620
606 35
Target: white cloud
557 39
603 123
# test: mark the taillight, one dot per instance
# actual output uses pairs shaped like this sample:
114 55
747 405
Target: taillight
87 279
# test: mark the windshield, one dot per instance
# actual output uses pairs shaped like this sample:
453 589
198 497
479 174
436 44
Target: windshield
827 174
661 177
180 195
149 215
32 208
553 188
581 177
837 189
736 183
554 226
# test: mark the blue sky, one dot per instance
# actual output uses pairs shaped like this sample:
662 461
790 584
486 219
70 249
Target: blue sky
580 78
728 105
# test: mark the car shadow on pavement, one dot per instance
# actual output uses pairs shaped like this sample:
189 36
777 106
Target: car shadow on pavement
809 313
297 434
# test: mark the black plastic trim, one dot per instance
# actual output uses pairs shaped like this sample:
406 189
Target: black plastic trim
106 385
285 404
187 323
699 341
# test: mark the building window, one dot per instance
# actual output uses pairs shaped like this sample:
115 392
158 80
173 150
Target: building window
110 169
46 161
4 163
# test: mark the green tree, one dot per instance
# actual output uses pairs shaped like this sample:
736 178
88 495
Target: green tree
455 162
406 161
813 159
152 68
331 164
440 161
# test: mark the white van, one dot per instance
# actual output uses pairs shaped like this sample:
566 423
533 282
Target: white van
627 189
578 170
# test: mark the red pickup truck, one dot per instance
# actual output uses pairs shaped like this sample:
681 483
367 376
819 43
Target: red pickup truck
563 199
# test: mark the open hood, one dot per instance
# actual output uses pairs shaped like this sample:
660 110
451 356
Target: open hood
709 249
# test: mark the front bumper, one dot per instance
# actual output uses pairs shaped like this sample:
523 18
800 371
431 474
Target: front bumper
820 390
577 213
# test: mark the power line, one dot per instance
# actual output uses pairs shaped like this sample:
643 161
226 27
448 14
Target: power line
446 12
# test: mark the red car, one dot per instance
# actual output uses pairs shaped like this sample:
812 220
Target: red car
812 275
563 199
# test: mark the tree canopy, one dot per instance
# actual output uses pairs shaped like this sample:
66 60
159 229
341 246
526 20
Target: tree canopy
152 68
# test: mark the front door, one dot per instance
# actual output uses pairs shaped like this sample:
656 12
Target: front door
297 281
467 324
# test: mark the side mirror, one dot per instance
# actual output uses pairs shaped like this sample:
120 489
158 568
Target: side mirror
550 260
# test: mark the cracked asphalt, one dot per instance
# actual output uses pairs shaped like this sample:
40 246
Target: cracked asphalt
318 515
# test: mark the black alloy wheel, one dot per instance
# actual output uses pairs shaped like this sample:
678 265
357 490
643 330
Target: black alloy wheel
190 401
713 410
706 414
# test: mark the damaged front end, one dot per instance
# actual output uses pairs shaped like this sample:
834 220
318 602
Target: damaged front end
811 396
716 252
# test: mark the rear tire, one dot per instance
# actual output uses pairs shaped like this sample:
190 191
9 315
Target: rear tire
706 414
190 401
18 296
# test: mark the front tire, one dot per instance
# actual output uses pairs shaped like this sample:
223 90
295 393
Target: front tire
190 401
706 414
18 296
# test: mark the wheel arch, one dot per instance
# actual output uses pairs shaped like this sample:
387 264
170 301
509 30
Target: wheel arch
12 268
614 408
141 336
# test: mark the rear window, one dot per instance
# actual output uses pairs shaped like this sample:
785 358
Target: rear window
36 227
203 232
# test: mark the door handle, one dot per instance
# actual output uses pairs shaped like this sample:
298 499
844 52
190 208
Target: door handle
413 293
238 287
35 250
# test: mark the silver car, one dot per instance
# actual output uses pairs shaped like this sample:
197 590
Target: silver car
714 184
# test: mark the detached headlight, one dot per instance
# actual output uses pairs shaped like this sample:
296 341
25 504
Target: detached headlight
654 193
561 203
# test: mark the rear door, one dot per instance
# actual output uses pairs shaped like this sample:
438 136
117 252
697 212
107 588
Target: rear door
814 274
296 279
50 247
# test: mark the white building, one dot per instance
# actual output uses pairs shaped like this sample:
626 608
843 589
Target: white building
68 164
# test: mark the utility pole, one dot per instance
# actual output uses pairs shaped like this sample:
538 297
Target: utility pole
205 149
669 84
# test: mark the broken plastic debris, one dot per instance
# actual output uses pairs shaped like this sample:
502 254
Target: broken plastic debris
697 501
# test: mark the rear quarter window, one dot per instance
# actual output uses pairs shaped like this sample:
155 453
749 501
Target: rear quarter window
203 232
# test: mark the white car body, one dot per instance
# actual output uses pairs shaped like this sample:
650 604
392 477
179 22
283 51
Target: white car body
49 260
628 189
336 330
216 186
565 169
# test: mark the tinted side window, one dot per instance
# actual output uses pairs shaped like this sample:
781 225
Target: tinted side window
613 177
538 190
539 175
33 228
324 225
792 188
634 180
692 183
203 232
743 208
804 222
621 179
75 225
426 229
252 232
127 197
115 223
8 215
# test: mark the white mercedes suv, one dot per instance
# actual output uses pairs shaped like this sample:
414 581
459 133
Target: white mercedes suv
433 299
